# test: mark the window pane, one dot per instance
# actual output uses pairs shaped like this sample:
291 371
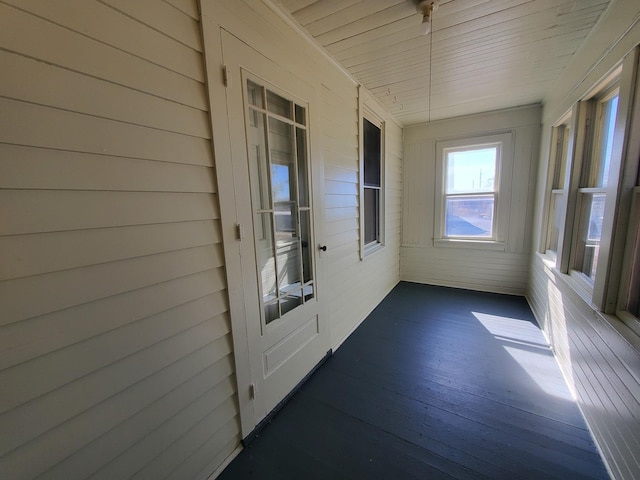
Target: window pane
372 152
371 215
562 152
470 216
471 170
279 105
556 210
590 230
609 110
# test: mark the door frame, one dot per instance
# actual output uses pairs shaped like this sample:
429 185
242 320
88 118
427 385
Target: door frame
212 32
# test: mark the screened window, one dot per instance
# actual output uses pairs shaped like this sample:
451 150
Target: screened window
372 185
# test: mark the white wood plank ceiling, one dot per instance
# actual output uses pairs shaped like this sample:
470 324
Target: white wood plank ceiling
482 55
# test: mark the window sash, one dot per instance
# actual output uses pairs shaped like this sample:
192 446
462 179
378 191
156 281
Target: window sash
372 173
475 206
590 215
557 207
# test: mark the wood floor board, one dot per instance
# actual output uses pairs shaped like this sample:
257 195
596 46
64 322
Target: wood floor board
437 383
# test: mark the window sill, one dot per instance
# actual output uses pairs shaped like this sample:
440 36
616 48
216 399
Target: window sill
371 249
549 261
470 244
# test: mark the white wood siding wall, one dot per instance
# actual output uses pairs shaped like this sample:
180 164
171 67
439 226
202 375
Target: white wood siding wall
116 355
487 270
356 286
599 356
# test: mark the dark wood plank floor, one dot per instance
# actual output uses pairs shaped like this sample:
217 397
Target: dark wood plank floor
436 383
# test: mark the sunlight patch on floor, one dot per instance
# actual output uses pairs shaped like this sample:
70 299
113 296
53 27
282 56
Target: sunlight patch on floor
526 345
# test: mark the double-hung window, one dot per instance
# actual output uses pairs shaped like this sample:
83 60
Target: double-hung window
472 200
592 188
560 152
594 196
372 178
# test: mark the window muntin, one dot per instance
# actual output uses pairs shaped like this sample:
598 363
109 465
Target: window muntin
372 184
592 191
470 191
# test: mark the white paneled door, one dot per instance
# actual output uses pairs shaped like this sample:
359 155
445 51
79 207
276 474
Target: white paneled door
272 146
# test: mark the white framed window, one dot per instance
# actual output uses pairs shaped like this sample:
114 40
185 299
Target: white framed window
598 241
472 193
372 173
561 149
592 176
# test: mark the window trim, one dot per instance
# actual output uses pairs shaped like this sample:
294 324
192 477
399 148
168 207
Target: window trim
368 248
556 155
587 142
502 192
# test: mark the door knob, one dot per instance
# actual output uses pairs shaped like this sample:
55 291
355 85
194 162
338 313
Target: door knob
323 248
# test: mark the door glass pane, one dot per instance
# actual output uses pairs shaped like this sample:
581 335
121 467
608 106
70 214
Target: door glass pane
288 263
283 179
308 292
306 244
271 312
258 161
265 254
279 105
290 302
301 115
469 216
254 94
301 154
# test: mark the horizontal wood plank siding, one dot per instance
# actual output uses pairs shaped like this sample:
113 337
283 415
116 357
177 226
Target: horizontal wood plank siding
356 285
503 271
117 358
